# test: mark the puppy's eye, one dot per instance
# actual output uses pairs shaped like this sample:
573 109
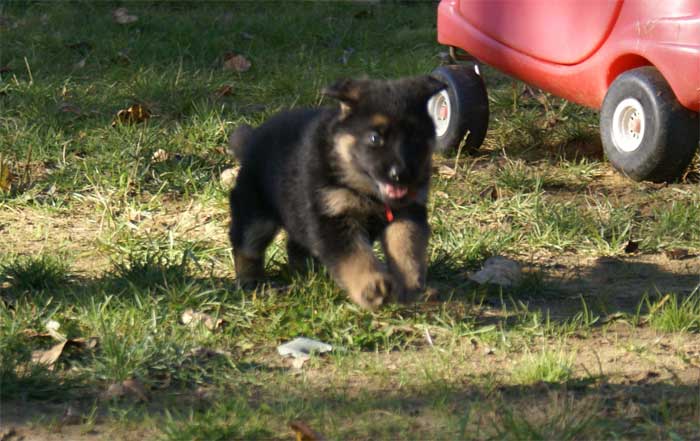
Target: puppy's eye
374 139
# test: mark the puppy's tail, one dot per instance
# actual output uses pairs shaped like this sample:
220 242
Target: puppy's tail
238 140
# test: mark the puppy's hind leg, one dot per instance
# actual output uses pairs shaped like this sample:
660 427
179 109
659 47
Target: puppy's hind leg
252 230
299 258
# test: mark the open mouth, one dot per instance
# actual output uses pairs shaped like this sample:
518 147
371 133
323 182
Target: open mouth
393 191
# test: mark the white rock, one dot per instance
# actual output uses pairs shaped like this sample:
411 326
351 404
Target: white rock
302 347
499 270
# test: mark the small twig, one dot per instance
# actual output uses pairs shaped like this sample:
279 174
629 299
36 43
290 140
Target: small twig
428 338
29 71
660 304
25 179
462 143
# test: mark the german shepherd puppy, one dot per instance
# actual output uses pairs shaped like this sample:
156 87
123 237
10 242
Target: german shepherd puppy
337 179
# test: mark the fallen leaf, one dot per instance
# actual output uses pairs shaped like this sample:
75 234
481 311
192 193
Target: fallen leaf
69 108
134 114
194 318
236 62
122 16
677 253
446 171
6 175
225 90
80 64
128 388
632 247
303 432
490 192
50 356
442 194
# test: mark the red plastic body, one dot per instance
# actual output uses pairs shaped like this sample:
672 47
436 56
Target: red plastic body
576 48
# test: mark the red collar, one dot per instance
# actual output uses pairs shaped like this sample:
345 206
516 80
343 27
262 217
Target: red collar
390 214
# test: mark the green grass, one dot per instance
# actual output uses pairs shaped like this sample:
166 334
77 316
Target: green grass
673 313
114 243
548 366
32 273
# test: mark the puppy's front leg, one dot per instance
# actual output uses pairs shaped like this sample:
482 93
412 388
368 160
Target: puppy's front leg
355 267
405 243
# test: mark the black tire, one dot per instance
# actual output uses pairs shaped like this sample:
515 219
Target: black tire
468 113
654 144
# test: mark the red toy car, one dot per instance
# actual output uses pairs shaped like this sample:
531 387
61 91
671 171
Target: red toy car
638 61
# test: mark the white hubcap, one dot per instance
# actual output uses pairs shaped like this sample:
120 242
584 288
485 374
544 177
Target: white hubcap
440 110
628 125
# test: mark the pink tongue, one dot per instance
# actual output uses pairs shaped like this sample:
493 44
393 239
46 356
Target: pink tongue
395 191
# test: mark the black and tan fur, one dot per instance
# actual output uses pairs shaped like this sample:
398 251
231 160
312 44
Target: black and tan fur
327 176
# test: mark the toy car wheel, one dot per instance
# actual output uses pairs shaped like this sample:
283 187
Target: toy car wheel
647 134
460 112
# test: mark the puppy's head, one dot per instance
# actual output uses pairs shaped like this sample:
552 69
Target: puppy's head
383 136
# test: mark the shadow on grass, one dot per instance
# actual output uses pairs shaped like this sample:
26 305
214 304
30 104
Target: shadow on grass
442 410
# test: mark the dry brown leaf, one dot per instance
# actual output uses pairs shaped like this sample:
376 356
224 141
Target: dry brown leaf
193 318
632 247
6 175
128 388
69 108
225 90
303 432
50 356
446 171
490 192
236 62
122 16
677 253
134 114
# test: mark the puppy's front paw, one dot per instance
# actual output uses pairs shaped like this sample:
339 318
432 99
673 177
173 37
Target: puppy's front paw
377 288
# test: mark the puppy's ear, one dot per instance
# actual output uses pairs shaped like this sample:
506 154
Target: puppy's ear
347 92
425 87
